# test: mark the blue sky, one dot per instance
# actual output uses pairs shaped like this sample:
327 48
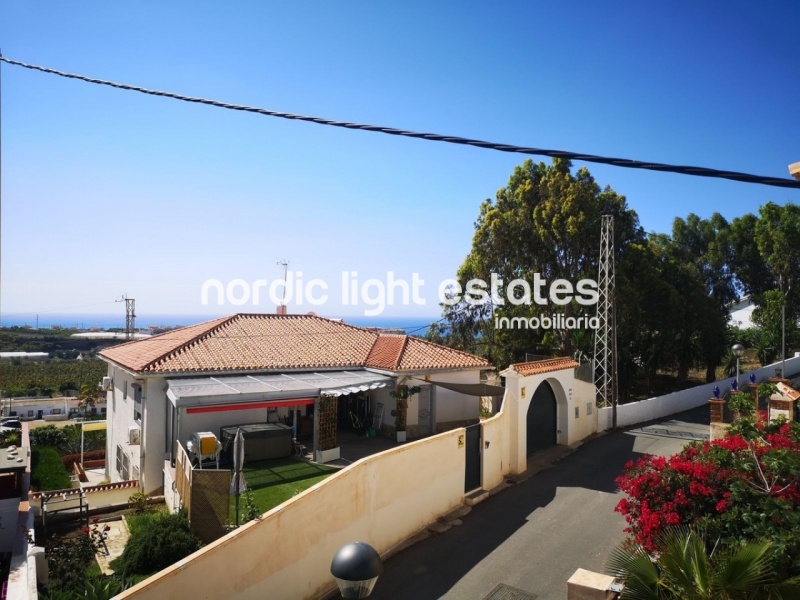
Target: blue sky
106 192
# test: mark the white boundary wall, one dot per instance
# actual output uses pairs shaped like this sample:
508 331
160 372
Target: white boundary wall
670 404
382 499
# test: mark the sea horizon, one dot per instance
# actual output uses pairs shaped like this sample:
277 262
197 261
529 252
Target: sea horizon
85 321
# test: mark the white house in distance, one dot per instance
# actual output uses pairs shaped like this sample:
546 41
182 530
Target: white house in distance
741 312
262 368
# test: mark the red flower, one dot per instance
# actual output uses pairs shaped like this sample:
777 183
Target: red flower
721 506
85 529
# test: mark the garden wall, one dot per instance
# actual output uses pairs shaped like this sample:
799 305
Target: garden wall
98 496
382 499
670 404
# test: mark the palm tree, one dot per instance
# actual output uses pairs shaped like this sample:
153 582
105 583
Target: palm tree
688 568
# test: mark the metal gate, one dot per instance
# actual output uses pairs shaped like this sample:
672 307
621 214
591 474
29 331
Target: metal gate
472 468
424 412
542 419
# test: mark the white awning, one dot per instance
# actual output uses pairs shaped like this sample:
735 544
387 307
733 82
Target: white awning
199 391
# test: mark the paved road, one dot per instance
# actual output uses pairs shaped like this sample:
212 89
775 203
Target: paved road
535 534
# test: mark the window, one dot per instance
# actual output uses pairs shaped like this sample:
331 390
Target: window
125 466
119 459
56 411
125 391
30 413
102 410
137 402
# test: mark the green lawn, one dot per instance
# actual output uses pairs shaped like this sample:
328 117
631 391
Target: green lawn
273 482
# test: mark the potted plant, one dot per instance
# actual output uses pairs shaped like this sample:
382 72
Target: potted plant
741 405
402 394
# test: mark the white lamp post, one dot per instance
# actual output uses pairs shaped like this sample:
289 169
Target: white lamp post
738 352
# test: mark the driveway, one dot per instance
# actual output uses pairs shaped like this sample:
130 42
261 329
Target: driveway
532 536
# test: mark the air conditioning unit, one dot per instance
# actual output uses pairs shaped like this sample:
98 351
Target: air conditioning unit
105 384
134 435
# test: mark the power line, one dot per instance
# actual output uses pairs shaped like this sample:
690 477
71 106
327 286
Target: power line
616 162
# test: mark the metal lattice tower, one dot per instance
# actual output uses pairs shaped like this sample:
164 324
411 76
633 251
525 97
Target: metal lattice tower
605 341
130 316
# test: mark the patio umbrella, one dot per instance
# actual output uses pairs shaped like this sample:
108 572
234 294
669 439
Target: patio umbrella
238 483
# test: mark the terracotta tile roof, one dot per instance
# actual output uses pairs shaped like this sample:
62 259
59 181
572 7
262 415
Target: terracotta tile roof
537 367
386 351
421 354
139 354
788 391
252 342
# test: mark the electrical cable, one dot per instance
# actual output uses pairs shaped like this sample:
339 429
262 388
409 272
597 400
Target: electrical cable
592 158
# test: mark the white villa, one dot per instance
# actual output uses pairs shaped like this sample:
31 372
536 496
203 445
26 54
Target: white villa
271 368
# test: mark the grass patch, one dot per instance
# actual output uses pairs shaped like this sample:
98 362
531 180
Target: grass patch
94 570
273 482
138 521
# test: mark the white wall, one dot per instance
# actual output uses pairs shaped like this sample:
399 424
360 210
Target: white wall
119 418
570 393
453 406
670 404
382 500
446 405
154 427
495 460
584 398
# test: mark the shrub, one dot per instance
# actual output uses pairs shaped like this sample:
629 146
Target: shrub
49 435
165 541
744 486
67 560
10 438
47 470
139 501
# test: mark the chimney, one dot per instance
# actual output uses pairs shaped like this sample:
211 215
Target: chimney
282 309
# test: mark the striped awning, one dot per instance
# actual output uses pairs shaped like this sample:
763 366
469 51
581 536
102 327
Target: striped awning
198 391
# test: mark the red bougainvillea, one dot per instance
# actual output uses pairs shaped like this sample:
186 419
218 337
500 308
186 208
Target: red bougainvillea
742 486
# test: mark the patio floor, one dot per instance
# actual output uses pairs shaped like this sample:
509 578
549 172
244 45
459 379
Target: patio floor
114 544
95 476
354 447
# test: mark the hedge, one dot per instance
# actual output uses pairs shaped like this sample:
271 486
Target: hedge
47 470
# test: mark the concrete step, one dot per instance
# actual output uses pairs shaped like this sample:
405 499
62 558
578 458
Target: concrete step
475 497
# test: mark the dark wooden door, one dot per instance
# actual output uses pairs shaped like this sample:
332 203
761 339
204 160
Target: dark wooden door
472 471
542 419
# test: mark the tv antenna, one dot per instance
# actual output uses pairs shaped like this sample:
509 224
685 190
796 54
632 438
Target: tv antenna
285 264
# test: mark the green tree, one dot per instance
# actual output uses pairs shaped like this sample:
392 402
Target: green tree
705 245
545 223
87 398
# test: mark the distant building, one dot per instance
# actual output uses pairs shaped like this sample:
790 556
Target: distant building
26 355
45 408
107 335
741 313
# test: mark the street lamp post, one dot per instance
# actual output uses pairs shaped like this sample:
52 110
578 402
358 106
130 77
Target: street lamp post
356 567
738 352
